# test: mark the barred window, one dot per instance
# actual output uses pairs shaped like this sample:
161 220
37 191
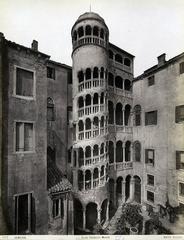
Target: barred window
51 73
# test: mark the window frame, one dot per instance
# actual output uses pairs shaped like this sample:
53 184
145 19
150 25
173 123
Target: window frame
34 144
178 160
146 118
147 159
151 80
148 182
149 200
177 120
60 211
179 194
181 68
15 82
54 73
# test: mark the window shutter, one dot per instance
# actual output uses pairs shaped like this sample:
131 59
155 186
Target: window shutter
177 160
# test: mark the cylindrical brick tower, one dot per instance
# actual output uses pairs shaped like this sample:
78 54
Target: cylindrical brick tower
90 159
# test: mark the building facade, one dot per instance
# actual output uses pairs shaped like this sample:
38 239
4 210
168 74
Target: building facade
78 142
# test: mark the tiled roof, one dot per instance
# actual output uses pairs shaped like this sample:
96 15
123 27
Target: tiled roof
56 182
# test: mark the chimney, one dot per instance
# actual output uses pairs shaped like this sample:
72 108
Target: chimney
161 59
34 45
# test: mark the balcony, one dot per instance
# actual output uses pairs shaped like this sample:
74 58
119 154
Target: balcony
92 184
121 92
93 160
118 128
119 166
89 40
92 133
92 83
92 109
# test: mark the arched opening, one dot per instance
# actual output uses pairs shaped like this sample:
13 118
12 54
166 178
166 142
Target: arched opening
127 151
137 115
95 178
80 180
127 187
81 102
88 30
119 82
102 122
111 112
95 31
118 58
127 62
111 79
95 150
88 152
127 114
50 110
88 123
119 151
91 215
102 148
78 214
119 114
81 126
74 158
137 151
81 32
81 76
87 179
75 36
103 211
127 85
102 172
95 99
95 122
88 100
88 73
111 152
95 72
137 189
102 72
102 33
111 54
119 190
81 157
102 98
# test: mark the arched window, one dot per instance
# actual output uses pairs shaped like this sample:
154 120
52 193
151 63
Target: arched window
127 85
95 150
102 72
88 73
102 148
81 76
88 124
88 152
118 58
81 102
111 54
111 152
110 79
127 151
81 126
127 114
95 31
95 98
102 122
137 151
75 36
119 82
119 152
88 100
111 112
102 33
95 122
50 110
119 114
127 62
95 72
102 98
88 30
137 115
81 32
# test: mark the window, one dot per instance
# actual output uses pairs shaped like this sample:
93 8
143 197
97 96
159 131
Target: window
151 80
179 113
24 137
149 156
179 159
150 196
127 62
50 110
137 116
24 82
137 151
58 208
150 180
181 67
23 213
51 73
118 58
151 118
181 189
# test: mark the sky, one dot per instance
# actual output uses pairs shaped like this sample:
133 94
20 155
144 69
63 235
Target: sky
145 28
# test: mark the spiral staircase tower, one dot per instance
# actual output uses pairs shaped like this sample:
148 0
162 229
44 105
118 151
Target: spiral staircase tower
90 159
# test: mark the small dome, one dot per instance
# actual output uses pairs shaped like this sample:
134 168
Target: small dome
89 15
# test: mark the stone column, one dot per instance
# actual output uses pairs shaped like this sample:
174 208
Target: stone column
99 102
84 217
115 185
123 117
98 215
123 145
131 153
92 179
123 191
115 156
84 187
132 188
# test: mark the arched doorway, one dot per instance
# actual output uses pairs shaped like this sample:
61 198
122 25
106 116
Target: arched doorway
78 214
103 211
137 192
111 189
127 187
91 215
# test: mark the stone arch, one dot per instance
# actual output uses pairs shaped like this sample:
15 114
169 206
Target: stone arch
95 122
119 114
88 100
119 151
127 114
95 98
118 58
91 215
95 150
102 72
111 112
87 179
88 151
102 148
81 126
102 122
81 156
88 124
88 30
111 152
